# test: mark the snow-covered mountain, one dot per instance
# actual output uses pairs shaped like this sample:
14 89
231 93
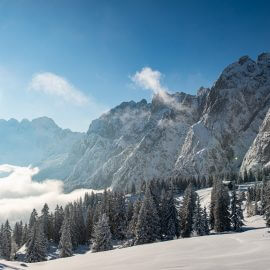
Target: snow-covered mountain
39 142
177 134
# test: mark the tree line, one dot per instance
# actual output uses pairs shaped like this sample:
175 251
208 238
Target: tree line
146 214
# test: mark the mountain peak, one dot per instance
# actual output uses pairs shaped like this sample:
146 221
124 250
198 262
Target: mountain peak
45 122
264 59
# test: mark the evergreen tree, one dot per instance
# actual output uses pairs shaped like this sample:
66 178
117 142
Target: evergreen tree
263 195
65 244
129 211
1 239
102 235
168 216
198 219
148 224
37 245
58 222
6 241
33 219
45 220
186 211
206 222
89 223
25 234
249 206
18 233
133 222
221 209
236 216
117 217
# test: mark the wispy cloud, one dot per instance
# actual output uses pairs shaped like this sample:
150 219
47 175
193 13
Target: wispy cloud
149 79
55 85
19 194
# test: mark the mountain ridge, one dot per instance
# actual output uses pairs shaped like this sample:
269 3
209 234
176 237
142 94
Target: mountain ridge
181 134
176 134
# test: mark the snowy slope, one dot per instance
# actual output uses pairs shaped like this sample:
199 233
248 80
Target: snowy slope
248 250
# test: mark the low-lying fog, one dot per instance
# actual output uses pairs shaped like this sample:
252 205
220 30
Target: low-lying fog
19 194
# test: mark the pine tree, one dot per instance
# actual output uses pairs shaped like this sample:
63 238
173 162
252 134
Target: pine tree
58 222
186 212
118 222
212 205
198 222
263 196
1 239
133 222
65 244
267 205
45 220
221 209
89 223
33 219
129 211
18 233
249 206
6 238
148 224
102 235
37 245
206 222
236 216
25 234
168 216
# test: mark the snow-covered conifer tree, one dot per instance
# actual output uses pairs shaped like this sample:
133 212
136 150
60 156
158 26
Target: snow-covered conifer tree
6 241
133 223
37 244
65 244
198 222
221 209
148 224
186 212
206 222
236 216
102 235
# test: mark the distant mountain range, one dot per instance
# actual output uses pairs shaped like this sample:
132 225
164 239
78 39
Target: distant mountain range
176 134
39 142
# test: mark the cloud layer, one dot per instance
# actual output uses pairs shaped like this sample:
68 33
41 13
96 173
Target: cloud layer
53 84
19 194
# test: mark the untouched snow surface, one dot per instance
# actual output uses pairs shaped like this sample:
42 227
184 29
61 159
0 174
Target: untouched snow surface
248 250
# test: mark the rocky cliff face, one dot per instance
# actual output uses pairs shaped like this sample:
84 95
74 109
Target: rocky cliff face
258 156
233 113
177 134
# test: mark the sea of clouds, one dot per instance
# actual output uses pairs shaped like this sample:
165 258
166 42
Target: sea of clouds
19 194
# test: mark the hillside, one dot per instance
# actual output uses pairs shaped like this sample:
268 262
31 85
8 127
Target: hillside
247 250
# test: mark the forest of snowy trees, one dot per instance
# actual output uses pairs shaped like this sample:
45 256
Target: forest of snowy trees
145 214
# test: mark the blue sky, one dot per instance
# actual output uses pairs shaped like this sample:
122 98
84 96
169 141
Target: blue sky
72 60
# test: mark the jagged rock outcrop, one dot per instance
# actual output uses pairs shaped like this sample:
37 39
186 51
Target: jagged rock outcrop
258 156
234 111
